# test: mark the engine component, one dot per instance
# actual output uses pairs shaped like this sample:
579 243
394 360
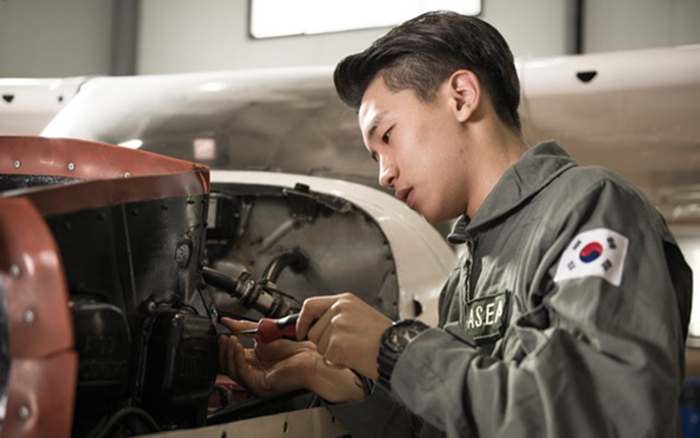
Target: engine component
103 345
181 360
222 221
329 244
295 259
129 227
249 293
37 359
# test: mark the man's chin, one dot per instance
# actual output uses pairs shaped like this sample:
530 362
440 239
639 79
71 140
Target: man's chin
432 215
434 218
430 218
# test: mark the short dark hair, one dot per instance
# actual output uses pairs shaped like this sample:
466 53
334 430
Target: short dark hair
423 52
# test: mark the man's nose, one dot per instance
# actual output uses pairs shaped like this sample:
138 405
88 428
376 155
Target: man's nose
387 174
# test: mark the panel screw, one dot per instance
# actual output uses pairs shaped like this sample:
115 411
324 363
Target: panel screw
28 316
71 166
127 175
23 412
17 164
15 271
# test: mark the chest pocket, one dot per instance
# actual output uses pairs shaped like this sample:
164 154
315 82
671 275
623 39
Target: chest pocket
487 317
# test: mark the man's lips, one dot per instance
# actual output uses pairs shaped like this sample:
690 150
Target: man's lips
405 195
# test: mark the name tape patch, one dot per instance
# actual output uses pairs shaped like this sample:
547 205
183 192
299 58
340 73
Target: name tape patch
595 253
486 317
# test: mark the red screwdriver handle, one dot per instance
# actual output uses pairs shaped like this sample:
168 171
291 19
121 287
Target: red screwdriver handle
274 329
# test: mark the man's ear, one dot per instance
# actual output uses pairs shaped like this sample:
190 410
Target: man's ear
465 93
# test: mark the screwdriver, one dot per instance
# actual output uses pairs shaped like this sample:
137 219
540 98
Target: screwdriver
274 329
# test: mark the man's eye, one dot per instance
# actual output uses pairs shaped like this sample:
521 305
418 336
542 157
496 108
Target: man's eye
386 136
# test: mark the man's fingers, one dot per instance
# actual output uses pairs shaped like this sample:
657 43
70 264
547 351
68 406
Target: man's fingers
239 368
322 340
321 326
230 358
281 349
227 345
244 371
312 311
223 341
237 326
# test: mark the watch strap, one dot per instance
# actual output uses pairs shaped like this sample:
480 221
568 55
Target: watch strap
389 352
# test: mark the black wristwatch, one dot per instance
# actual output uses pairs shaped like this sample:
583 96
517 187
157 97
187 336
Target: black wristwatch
393 343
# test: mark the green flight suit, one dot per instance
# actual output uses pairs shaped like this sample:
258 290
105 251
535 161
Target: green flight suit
566 317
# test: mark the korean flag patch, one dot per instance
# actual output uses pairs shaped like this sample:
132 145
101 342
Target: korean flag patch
600 253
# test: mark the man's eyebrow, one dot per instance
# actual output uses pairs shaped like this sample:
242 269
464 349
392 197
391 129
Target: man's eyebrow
375 124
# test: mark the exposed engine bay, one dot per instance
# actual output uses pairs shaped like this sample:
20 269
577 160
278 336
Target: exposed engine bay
306 243
147 257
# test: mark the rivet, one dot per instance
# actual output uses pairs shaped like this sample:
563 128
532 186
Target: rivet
71 166
127 175
17 164
23 412
28 316
15 271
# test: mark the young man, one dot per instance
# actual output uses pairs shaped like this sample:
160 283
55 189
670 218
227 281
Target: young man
566 316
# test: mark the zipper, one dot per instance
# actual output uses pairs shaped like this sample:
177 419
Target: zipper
465 289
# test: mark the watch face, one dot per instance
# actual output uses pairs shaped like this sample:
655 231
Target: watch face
402 333
394 341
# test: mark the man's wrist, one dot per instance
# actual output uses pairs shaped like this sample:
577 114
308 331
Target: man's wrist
393 343
336 385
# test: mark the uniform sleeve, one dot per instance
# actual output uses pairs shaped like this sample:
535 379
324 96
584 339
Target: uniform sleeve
601 355
379 415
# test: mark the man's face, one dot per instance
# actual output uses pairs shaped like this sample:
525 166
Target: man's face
420 148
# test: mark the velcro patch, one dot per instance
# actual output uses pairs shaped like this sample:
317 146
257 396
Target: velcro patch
595 253
487 317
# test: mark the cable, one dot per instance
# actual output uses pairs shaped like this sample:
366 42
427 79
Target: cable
223 313
295 259
315 401
284 294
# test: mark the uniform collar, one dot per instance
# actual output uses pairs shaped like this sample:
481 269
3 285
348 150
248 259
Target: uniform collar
530 174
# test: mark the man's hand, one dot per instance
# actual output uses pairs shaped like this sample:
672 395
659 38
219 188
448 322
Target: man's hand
283 366
346 330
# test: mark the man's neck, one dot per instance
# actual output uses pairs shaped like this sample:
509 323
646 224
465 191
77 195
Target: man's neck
500 148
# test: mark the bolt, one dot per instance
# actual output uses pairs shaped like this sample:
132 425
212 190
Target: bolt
17 164
127 175
15 271
23 412
28 316
71 166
